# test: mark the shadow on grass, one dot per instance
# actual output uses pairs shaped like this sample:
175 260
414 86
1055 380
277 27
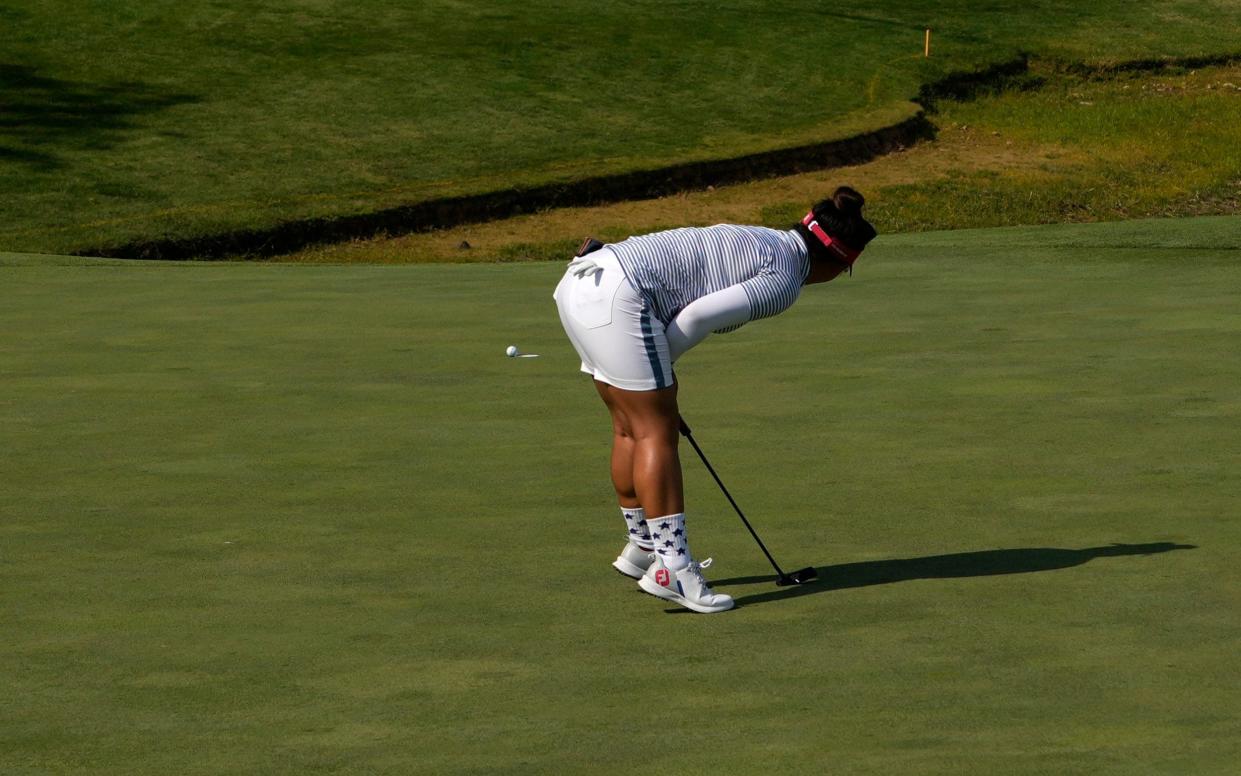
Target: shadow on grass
958 35
985 563
42 117
881 21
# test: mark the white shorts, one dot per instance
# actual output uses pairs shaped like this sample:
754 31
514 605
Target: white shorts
612 329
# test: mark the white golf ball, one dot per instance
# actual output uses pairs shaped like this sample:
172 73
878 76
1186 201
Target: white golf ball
511 351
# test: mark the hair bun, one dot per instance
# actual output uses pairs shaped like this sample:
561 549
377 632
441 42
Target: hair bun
848 201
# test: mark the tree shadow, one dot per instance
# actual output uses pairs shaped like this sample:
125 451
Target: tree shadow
880 21
41 117
958 34
985 563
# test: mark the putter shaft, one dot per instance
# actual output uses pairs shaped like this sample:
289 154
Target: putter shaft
782 578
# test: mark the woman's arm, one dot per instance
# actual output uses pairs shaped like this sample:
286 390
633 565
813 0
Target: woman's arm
720 310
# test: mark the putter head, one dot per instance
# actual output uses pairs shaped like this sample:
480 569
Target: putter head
800 577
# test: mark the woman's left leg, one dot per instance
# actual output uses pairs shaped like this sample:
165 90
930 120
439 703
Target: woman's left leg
646 469
638 553
622 450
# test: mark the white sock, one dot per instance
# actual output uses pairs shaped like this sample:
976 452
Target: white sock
635 522
668 535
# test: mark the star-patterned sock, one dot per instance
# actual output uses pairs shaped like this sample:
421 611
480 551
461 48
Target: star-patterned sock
635 522
668 535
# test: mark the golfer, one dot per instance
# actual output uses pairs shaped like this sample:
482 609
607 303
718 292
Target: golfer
632 308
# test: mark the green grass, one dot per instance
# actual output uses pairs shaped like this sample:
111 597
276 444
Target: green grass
283 519
137 120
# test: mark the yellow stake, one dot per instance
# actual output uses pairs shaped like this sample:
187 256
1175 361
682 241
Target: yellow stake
926 50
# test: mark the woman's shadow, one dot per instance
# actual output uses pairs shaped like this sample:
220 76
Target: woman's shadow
984 563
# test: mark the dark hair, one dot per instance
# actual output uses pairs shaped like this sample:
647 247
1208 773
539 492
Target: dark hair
841 217
848 200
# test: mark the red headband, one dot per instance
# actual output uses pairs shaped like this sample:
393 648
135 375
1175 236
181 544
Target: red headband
842 251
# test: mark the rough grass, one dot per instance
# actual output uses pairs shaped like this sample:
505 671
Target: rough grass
139 119
1161 144
272 519
1075 149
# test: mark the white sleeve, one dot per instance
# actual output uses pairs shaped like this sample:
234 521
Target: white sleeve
713 312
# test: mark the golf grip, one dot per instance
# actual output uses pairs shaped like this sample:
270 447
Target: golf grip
688 435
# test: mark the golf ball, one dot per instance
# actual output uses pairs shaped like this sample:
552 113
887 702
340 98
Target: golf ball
511 351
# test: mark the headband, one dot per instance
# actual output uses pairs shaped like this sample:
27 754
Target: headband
839 249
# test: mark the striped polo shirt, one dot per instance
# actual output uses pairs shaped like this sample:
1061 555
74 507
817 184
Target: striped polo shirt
673 268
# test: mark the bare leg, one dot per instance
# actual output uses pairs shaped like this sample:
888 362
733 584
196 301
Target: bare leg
645 465
646 469
622 470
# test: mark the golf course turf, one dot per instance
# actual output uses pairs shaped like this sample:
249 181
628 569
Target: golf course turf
309 519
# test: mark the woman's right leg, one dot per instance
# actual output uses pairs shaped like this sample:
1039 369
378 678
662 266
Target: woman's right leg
645 463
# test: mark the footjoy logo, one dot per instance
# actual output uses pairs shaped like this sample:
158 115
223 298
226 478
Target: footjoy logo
661 576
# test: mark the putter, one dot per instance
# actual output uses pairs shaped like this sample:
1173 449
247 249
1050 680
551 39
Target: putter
799 577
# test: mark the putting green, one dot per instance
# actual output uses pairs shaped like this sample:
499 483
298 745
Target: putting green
264 519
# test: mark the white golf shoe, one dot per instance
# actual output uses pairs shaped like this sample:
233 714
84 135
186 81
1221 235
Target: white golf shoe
685 587
633 560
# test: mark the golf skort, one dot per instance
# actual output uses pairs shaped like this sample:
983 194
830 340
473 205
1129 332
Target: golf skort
611 326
